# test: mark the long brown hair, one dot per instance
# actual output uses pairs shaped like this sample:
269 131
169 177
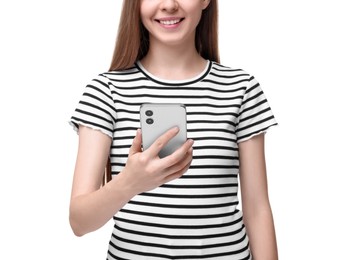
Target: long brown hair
132 41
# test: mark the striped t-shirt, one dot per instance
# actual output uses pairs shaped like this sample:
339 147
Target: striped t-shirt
195 216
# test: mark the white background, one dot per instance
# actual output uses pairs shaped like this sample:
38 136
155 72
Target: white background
300 51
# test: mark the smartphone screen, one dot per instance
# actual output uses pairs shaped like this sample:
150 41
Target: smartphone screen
157 118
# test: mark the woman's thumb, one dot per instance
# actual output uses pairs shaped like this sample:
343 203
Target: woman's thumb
136 143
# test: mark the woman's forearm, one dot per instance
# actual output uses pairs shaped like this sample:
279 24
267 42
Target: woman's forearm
88 212
261 232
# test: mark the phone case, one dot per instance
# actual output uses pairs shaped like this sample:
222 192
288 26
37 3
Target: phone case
156 119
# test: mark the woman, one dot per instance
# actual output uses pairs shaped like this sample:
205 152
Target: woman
183 206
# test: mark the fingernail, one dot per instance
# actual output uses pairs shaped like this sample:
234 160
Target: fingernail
190 141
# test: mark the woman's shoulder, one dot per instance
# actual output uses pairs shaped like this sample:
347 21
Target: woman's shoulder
226 71
120 74
223 68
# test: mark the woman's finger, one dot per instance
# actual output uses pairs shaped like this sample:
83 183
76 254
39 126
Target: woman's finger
136 143
178 155
176 171
162 141
177 165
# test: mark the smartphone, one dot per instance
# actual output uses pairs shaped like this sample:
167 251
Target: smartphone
157 118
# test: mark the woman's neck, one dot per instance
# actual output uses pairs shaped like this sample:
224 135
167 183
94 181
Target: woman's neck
173 62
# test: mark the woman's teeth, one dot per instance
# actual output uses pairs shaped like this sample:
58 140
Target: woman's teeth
170 22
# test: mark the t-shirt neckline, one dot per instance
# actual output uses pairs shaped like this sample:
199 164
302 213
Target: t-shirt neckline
189 81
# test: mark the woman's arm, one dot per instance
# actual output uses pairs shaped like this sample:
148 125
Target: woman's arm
258 217
91 205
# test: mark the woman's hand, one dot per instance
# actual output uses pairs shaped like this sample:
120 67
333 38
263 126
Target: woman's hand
91 205
145 170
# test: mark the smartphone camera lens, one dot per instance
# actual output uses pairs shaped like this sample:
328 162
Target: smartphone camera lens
149 113
149 121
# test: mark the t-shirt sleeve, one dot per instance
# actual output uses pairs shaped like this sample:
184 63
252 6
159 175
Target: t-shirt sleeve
255 114
96 108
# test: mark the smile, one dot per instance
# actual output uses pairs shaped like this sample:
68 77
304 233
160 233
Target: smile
170 22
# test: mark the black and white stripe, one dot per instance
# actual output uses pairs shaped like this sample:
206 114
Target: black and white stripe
195 216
